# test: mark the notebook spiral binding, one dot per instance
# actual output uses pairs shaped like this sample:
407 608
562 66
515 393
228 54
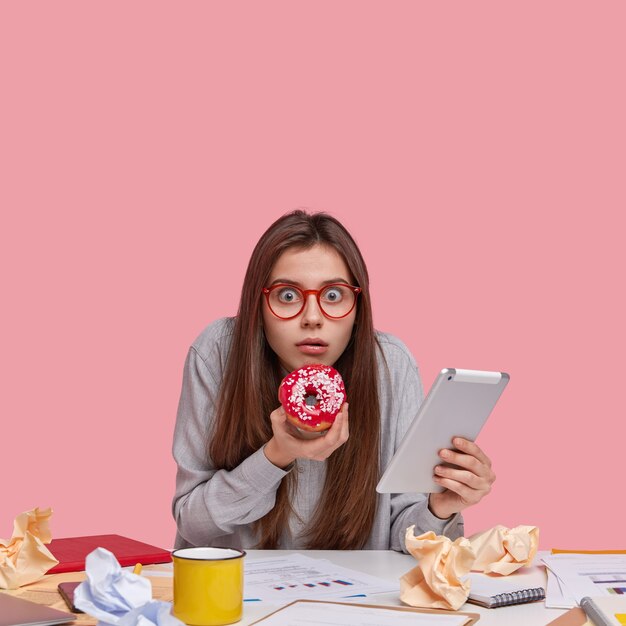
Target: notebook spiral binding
518 597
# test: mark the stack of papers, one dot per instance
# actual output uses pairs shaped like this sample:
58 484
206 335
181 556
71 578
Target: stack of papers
571 577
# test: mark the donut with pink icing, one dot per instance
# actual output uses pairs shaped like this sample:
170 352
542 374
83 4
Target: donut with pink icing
312 396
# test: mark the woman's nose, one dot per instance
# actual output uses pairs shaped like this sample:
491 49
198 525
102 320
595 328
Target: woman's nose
312 315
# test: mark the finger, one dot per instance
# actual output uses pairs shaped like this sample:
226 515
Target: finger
467 494
339 424
465 461
280 425
345 430
335 432
334 438
470 447
463 476
342 434
289 428
278 415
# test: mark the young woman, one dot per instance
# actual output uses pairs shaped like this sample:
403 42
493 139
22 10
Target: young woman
245 479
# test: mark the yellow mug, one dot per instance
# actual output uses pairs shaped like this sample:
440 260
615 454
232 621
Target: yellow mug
208 585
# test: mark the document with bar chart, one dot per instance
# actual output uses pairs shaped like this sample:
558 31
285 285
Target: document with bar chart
589 574
279 580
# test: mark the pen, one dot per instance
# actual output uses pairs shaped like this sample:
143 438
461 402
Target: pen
137 569
593 612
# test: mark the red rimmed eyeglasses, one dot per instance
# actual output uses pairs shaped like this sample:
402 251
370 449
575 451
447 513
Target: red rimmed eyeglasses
335 301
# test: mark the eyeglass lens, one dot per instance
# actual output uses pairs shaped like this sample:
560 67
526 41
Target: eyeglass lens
335 300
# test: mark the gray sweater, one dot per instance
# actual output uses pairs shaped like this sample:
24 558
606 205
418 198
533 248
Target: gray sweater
218 507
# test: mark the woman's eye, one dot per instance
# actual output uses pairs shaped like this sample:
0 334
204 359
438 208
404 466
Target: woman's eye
332 295
288 295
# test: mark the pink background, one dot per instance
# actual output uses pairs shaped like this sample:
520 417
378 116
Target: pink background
475 150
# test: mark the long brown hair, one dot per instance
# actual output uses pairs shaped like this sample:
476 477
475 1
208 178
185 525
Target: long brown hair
248 394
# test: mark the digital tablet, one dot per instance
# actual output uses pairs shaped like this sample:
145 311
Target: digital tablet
457 405
16 611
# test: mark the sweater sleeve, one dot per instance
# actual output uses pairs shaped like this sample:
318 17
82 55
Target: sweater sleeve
412 509
209 503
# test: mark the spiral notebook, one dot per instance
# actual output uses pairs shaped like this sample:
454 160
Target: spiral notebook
492 591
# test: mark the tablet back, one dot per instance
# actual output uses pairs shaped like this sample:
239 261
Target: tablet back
458 404
16 611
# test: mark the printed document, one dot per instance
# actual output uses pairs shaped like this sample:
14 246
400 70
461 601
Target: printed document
583 575
280 580
556 594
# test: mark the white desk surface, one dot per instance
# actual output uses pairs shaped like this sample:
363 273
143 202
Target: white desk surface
391 565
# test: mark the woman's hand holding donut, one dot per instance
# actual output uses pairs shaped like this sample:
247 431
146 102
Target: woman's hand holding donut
465 485
285 447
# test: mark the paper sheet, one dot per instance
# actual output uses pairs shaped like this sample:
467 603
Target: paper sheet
280 580
502 550
24 558
490 585
118 597
556 595
589 574
322 614
438 581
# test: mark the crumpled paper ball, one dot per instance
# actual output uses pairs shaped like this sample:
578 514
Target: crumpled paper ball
501 550
436 582
24 558
117 597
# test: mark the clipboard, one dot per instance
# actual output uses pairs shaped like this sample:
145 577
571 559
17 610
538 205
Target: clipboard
472 618
573 617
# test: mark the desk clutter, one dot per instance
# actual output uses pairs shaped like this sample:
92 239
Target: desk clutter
492 569
436 588
593 580
119 598
105 591
442 580
31 552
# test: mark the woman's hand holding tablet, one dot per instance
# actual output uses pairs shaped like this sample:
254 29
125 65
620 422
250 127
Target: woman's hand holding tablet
437 454
464 486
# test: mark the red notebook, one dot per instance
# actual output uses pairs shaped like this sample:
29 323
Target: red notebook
71 551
